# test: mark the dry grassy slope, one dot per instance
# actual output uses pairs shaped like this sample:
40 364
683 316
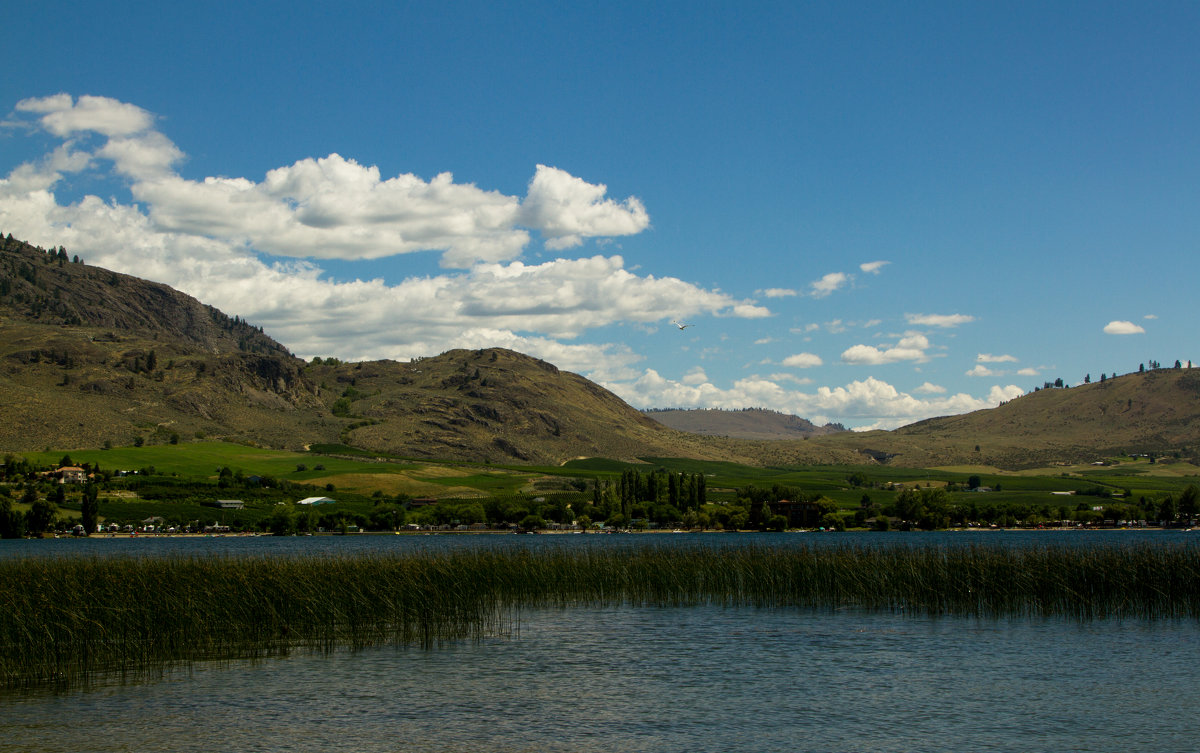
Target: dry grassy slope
69 387
89 356
753 423
76 371
1158 411
497 405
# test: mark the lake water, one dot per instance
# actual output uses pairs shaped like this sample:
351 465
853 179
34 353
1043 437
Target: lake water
658 679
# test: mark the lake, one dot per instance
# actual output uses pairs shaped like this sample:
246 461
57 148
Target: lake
697 678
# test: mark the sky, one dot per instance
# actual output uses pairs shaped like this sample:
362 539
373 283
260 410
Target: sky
861 212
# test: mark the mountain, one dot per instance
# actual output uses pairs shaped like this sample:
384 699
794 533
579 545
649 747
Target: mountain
751 423
90 357
1153 412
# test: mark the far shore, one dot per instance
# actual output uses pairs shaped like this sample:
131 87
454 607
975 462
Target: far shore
496 532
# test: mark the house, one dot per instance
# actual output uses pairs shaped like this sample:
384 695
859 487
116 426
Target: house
71 474
228 504
316 501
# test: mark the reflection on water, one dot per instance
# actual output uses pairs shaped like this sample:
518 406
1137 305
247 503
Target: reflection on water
668 679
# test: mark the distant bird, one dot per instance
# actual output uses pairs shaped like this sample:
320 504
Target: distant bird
681 325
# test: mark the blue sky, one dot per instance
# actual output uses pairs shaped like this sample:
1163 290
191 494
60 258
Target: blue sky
868 213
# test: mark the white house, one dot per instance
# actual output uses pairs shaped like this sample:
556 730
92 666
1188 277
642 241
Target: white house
316 501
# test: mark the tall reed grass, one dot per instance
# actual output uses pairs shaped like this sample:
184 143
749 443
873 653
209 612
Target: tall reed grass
65 620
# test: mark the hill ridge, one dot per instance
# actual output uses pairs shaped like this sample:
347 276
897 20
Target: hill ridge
91 358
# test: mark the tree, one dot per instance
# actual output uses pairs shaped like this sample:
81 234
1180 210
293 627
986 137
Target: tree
1167 510
281 521
1189 501
12 523
90 509
40 517
974 482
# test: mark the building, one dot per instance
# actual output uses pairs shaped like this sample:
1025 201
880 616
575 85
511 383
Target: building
71 474
316 501
228 504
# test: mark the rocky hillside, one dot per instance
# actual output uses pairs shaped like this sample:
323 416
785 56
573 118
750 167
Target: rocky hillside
751 423
1155 412
89 357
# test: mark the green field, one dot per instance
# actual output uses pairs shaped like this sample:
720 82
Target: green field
179 482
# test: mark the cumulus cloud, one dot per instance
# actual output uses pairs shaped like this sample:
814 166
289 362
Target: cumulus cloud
870 403
803 360
567 209
982 371
1000 394
911 347
785 377
1029 371
1123 328
333 207
778 292
828 284
989 358
695 375
208 237
939 320
873 267
929 388
62 116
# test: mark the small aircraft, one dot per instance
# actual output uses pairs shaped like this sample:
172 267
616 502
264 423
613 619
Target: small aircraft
681 325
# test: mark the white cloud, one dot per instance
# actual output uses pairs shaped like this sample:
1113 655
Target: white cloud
930 389
836 327
873 267
911 347
62 116
778 292
803 360
695 375
1123 328
829 283
870 403
982 371
785 377
1029 371
567 209
989 358
998 394
332 207
1150 316
939 320
203 237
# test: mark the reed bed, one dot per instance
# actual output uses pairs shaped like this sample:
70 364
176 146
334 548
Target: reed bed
67 621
